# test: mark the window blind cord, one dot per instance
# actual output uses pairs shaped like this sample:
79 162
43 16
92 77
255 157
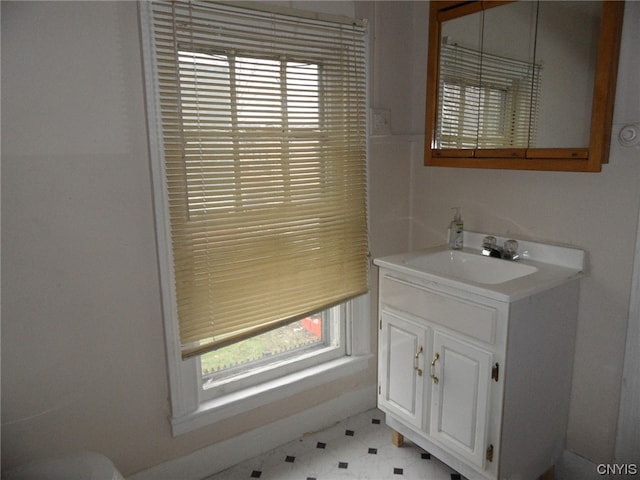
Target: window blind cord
183 141
196 81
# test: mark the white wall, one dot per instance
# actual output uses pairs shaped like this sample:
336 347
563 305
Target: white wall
83 361
598 212
82 343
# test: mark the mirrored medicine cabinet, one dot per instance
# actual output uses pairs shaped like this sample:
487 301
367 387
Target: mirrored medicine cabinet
523 85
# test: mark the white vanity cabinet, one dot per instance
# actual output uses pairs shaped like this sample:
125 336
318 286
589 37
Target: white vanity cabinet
480 382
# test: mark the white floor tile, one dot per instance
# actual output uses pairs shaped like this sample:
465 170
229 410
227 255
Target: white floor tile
358 448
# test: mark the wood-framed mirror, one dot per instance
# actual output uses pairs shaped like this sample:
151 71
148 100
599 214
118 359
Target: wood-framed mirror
495 96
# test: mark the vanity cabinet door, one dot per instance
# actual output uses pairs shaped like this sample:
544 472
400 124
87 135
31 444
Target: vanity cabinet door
460 396
404 345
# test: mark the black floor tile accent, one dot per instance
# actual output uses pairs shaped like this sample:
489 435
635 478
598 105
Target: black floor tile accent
256 474
290 459
373 451
321 445
398 471
375 421
456 476
425 456
349 433
343 464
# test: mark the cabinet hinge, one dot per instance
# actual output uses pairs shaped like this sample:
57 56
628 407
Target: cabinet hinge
495 372
490 453
379 389
380 324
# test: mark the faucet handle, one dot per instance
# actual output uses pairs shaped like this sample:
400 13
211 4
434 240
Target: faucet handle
510 246
489 242
510 249
490 247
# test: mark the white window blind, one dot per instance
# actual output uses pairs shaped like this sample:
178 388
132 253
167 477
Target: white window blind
263 126
486 101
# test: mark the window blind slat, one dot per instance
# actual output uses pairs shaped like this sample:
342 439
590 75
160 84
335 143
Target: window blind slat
263 121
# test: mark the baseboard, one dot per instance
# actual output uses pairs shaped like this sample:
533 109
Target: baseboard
223 455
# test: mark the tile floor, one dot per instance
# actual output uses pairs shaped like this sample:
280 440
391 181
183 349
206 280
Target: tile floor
356 448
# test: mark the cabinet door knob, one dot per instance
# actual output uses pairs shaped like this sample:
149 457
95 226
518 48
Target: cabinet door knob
416 363
433 366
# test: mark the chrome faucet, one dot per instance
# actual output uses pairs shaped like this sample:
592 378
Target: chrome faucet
509 251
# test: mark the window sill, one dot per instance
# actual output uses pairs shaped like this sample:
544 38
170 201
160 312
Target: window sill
235 403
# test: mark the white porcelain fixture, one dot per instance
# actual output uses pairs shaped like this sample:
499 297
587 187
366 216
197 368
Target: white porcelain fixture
77 466
476 354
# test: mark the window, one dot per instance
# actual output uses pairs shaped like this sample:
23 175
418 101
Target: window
260 173
265 109
290 348
305 334
486 101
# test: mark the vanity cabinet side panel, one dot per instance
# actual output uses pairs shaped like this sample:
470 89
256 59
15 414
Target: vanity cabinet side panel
539 366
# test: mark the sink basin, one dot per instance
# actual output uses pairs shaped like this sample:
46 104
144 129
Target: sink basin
541 266
470 267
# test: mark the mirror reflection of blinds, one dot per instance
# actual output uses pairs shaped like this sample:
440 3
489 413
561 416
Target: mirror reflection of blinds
486 101
263 124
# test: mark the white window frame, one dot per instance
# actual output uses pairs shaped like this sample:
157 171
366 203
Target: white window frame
190 408
286 363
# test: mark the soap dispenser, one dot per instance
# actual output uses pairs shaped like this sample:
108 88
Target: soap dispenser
456 231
